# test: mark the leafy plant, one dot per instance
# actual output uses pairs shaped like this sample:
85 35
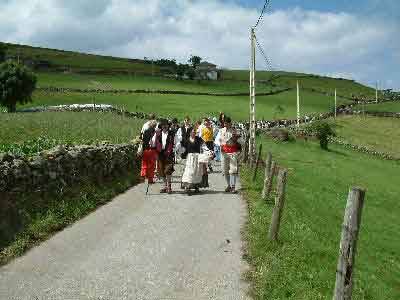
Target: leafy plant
322 130
17 84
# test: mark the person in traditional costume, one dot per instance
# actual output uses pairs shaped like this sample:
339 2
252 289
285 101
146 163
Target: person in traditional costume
150 154
152 118
207 134
230 148
165 140
195 175
182 136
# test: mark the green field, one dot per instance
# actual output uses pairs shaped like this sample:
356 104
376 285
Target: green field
380 134
145 83
196 106
303 264
384 107
31 132
319 83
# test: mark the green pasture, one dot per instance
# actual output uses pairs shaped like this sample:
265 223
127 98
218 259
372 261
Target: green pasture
29 133
134 82
381 107
302 264
324 84
196 106
381 134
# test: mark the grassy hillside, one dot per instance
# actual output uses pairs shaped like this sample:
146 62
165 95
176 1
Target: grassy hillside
303 264
316 91
31 132
79 61
381 134
344 87
133 82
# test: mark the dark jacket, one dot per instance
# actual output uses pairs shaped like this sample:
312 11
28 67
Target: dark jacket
168 152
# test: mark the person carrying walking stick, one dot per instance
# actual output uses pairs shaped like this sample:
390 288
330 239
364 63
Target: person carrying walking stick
149 156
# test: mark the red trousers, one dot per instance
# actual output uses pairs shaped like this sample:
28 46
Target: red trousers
148 163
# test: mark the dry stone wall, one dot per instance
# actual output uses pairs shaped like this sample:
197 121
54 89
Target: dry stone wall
64 165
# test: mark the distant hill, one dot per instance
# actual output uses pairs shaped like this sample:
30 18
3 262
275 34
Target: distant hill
45 59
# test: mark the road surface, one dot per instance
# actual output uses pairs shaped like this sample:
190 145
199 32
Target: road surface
151 247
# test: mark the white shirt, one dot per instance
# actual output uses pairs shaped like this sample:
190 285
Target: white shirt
145 126
164 136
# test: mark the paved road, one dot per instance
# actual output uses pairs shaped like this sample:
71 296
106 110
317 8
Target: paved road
137 247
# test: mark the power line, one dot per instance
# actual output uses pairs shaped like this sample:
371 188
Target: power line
267 60
266 4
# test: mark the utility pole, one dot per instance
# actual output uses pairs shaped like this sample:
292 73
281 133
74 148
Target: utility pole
298 104
376 92
252 140
335 103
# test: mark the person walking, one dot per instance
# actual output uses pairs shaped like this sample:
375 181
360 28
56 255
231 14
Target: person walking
165 140
149 156
182 135
152 118
195 174
207 134
230 148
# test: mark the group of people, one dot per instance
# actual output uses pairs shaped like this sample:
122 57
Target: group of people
166 142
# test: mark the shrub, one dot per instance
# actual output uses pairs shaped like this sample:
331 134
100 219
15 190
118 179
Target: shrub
322 130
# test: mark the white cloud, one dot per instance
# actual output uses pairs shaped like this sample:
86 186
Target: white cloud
295 39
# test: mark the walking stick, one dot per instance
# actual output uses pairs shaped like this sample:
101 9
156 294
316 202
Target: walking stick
147 188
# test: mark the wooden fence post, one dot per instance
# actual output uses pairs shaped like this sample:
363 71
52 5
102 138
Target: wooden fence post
267 176
279 202
348 244
246 149
272 173
257 162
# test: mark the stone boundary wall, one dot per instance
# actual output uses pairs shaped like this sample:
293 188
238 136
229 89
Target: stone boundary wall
142 91
363 149
53 169
377 114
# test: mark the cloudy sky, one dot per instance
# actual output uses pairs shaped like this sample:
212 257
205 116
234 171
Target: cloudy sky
355 39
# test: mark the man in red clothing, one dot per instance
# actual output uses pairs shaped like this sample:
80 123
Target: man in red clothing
230 149
149 152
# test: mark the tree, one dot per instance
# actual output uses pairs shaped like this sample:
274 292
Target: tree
194 60
191 73
180 71
2 53
17 83
322 130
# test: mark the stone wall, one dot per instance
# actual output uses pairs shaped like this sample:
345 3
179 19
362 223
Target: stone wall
61 166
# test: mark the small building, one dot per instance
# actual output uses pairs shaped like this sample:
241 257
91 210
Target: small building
206 70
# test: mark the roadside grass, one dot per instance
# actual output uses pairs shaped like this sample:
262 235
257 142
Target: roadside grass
41 215
302 264
197 106
381 134
29 133
381 107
